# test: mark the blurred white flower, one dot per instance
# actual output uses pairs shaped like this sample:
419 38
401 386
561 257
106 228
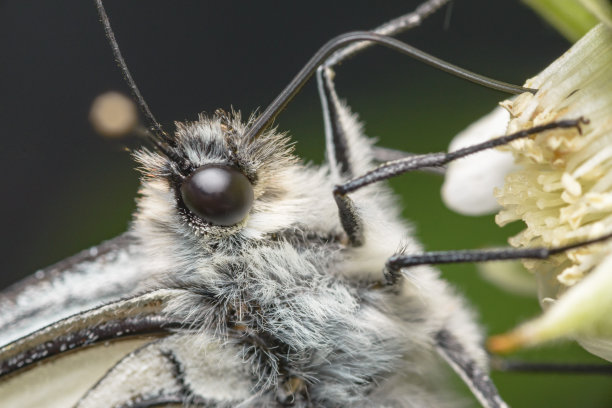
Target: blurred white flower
562 190
469 183
510 276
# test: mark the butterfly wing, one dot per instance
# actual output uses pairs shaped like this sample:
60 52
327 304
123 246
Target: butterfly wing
197 370
72 333
57 364
60 383
98 275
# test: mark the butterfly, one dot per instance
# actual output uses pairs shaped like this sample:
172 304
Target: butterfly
232 125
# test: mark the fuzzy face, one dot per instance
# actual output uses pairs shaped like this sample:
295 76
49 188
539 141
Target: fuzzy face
267 162
302 308
293 200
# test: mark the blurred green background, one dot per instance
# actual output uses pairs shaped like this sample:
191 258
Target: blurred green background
65 188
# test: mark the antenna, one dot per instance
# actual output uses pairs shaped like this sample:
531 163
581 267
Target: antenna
156 133
156 128
282 100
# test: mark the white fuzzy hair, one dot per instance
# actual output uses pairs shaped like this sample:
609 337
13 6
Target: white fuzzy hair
283 288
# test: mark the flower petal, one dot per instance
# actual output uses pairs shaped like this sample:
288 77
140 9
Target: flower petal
563 194
583 313
469 182
509 276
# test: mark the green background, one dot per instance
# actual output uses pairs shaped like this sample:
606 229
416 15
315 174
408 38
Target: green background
65 189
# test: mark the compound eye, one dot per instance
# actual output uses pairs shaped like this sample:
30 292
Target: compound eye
218 194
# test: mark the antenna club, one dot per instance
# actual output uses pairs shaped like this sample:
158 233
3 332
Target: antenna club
113 115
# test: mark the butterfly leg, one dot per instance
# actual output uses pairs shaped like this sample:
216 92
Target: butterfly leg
184 370
397 262
349 152
477 379
394 168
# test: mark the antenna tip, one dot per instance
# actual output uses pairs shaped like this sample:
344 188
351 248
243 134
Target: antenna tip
113 115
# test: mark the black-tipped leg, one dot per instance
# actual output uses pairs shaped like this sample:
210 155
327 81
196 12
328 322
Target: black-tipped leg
433 160
474 377
397 262
392 276
339 155
385 154
350 219
336 140
504 365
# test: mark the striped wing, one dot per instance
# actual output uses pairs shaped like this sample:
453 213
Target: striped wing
56 365
96 276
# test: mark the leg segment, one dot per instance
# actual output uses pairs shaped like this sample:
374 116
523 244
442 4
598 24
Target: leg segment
345 148
340 125
474 377
416 162
503 365
384 154
393 27
335 118
397 262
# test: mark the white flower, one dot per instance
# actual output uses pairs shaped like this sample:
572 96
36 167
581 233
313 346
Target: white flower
562 191
484 170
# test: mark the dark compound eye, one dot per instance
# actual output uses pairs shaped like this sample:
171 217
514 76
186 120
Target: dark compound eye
220 195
